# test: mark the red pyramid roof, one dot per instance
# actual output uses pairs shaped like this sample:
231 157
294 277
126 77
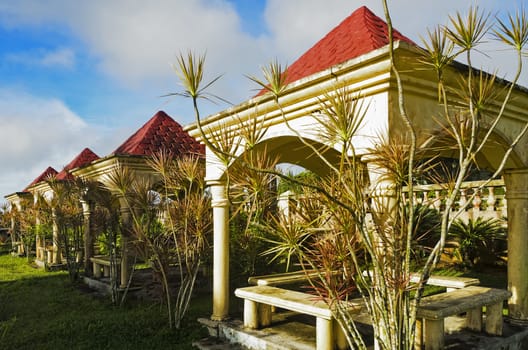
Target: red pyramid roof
160 132
42 177
83 158
358 34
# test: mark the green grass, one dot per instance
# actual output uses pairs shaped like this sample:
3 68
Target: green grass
43 310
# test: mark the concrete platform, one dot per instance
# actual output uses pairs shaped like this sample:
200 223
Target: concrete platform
296 332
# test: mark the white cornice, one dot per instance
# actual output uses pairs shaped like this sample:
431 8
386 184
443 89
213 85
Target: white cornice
367 74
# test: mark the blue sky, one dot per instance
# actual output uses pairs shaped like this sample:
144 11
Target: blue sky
77 73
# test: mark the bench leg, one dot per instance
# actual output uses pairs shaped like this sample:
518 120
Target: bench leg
418 336
96 270
474 319
339 336
251 314
264 315
324 334
434 334
494 319
106 271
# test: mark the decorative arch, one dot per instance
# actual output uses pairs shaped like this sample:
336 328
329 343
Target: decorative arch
490 156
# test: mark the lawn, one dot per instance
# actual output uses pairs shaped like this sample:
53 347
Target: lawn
43 310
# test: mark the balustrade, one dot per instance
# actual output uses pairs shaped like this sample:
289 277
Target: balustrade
486 201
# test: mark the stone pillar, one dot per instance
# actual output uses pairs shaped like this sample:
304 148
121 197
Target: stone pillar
126 218
57 256
38 240
381 190
220 206
14 234
383 205
516 182
88 237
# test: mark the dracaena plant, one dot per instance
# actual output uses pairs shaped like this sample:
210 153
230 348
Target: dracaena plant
68 219
367 224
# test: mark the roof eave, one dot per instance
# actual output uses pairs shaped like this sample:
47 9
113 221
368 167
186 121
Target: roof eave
17 195
266 102
104 165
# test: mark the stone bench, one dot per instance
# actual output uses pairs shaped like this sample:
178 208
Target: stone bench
449 282
279 279
470 300
258 301
101 265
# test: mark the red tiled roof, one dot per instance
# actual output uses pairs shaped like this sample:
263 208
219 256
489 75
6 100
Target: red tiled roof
160 132
83 158
43 177
358 34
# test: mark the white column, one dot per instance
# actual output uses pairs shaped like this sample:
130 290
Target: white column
517 195
220 206
88 237
384 205
381 189
57 255
125 237
38 240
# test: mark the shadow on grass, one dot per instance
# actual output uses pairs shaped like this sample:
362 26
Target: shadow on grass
43 310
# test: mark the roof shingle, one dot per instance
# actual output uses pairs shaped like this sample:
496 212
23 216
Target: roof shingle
358 34
83 158
160 132
42 177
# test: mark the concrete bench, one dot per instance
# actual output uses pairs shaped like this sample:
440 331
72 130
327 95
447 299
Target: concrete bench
257 312
101 265
279 279
449 282
434 309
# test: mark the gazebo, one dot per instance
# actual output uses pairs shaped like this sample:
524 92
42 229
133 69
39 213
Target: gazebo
355 54
29 194
161 132
40 187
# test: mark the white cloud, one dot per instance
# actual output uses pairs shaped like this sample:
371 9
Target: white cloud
60 57
135 42
296 25
36 133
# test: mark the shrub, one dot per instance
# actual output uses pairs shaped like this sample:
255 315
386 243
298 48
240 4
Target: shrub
478 242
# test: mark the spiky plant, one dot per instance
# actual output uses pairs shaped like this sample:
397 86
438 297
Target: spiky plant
475 241
106 224
186 222
67 216
370 223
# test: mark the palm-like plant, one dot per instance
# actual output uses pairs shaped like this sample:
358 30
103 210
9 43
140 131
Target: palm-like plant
373 225
26 224
186 223
106 222
68 218
476 241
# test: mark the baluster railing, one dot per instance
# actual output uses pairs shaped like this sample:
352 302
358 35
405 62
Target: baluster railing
488 201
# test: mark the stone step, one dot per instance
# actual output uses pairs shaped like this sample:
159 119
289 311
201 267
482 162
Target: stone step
212 343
